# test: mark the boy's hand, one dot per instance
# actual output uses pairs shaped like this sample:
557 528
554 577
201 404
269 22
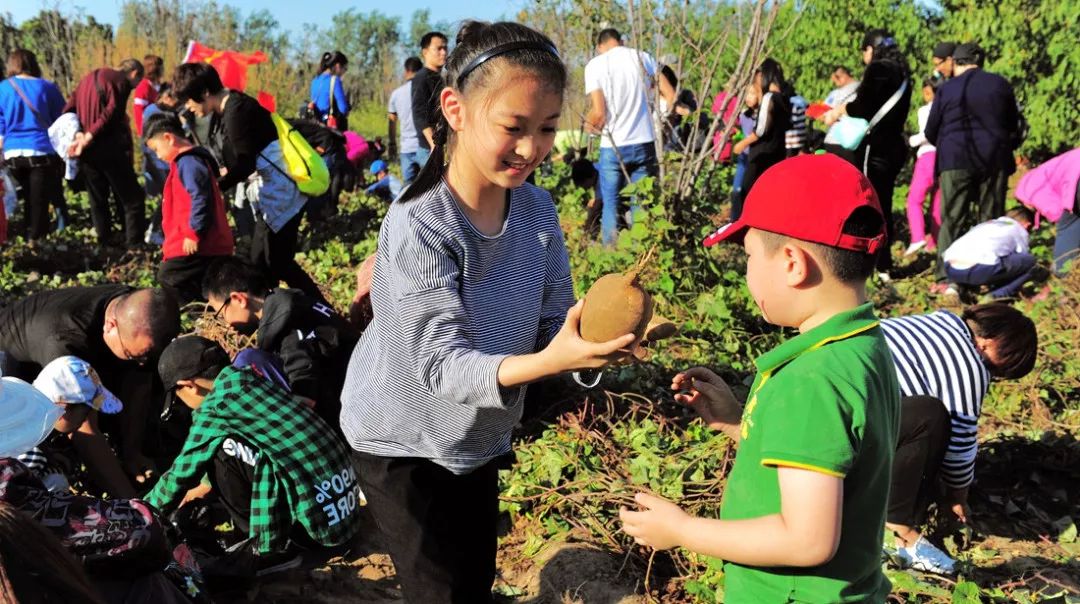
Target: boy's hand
658 525
191 246
708 395
197 493
592 203
568 351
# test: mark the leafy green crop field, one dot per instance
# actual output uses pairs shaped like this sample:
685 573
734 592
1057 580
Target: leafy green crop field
580 455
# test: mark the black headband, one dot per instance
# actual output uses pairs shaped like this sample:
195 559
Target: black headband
501 50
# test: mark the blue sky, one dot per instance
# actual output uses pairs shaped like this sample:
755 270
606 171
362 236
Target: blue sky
291 14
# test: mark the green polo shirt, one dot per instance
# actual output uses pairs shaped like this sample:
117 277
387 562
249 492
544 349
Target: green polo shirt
827 401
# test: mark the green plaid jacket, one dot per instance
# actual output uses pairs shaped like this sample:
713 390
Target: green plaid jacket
302 473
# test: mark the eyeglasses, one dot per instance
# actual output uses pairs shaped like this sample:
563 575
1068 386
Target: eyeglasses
139 360
221 309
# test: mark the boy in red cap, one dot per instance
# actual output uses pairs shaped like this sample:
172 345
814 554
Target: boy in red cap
803 513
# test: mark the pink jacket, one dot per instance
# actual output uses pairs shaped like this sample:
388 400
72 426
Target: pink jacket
1050 189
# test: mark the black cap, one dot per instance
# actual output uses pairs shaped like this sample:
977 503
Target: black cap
969 53
944 50
188 357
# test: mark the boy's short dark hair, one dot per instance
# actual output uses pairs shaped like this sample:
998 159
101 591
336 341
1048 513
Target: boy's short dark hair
581 170
847 266
425 41
1021 213
843 69
608 34
1015 334
413 64
128 65
232 274
163 123
195 81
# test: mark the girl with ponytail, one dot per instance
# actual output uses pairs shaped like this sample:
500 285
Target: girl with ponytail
472 300
328 99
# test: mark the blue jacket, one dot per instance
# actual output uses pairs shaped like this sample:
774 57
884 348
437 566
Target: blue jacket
975 123
19 126
320 95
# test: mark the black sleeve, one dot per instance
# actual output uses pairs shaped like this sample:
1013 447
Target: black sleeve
238 123
421 103
299 359
1013 118
878 84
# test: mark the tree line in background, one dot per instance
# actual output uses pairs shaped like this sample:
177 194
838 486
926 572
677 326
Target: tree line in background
1030 42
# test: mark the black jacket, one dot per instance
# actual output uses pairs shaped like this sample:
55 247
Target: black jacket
247 129
426 85
313 342
880 81
975 123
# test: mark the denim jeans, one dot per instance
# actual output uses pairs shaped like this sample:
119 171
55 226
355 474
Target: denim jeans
1067 242
736 183
640 161
410 167
1007 276
421 158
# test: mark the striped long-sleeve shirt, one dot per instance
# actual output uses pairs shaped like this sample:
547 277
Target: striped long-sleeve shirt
450 303
935 355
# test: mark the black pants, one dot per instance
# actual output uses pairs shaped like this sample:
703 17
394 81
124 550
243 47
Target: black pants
440 528
968 197
924 436
232 477
882 167
275 254
41 180
183 276
106 171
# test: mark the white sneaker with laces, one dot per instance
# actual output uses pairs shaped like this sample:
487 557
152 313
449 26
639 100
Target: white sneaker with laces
925 557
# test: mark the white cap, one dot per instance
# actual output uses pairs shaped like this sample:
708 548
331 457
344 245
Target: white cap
26 417
70 380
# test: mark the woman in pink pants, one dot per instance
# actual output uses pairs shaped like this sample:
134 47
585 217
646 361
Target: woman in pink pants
923 181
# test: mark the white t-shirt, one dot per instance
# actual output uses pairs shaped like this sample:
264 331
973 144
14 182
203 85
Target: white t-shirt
619 76
401 106
987 242
919 140
843 94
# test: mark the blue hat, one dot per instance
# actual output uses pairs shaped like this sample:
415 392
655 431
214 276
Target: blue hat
377 166
70 380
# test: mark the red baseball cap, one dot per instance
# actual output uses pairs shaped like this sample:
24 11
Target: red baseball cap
807 197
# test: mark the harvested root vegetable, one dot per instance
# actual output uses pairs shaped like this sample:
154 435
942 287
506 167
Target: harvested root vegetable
660 328
616 305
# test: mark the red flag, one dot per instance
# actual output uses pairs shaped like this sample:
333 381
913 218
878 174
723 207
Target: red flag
231 66
267 100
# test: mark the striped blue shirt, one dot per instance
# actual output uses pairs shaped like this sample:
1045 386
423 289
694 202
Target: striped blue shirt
935 355
450 304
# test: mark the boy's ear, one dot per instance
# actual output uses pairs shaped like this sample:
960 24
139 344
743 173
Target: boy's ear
799 265
452 108
238 298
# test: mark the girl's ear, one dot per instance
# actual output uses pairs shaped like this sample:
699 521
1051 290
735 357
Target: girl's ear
453 108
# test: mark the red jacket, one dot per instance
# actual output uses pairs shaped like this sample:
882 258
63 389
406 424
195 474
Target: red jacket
192 207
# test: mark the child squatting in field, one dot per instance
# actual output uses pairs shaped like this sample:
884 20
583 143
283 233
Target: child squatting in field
803 512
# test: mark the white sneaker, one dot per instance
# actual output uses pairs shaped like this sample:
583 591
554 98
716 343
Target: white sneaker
914 248
923 556
884 277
